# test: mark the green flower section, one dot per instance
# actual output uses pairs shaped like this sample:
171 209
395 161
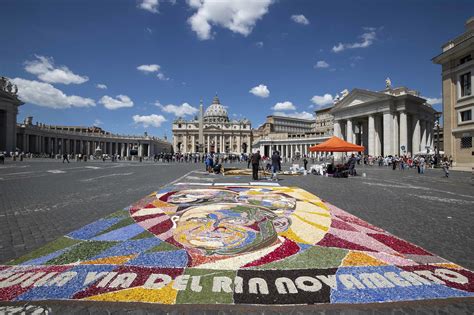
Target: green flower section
60 243
83 251
144 234
118 214
314 257
205 296
163 247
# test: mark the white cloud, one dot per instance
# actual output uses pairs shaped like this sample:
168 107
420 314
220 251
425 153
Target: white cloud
150 120
326 99
367 39
301 115
46 95
45 70
284 106
101 86
321 64
149 68
259 44
120 101
162 77
149 5
98 122
300 19
433 100
178 110
239 16
260 91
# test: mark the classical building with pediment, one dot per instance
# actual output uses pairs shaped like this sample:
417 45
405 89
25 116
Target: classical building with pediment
395 121
212 131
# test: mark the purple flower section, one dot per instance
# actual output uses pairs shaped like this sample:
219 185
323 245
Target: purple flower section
387 294
129 247
69 289
43 259
168 259
121 234
91 230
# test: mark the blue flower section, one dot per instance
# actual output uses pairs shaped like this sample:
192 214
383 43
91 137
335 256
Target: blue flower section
91 230
129 247
121 234
388 294
66 291
168 259
44 259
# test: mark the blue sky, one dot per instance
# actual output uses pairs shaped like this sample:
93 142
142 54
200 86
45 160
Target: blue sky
57 52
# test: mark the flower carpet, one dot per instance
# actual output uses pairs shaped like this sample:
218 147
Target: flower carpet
234 244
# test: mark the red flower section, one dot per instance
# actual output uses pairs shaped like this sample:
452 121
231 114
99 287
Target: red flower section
330 240
11 292
288 248
341 225
399 245
142 273
358 221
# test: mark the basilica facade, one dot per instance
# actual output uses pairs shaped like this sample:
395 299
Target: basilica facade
212 132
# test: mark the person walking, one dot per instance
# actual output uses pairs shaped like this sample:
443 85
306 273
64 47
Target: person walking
65 158
255 159
421 164
445 166
305 162
275 165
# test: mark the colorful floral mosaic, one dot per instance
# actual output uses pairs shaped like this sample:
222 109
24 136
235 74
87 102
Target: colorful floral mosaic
232 245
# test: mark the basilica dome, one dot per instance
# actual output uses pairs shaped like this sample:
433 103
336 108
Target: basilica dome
216 112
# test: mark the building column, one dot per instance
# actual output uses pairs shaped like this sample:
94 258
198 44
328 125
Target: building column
423 134
193 146
416 135
387 133
349 131
337 129
395 133
378 140
371 148
403 132
429 131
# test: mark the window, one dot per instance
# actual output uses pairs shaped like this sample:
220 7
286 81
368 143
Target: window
465 84
466 142
465 59
466 115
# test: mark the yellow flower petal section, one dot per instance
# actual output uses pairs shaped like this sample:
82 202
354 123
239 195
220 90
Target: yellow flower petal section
114 260
166 295
361 259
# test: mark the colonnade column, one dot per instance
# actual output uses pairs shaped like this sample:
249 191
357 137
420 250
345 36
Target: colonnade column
371 135
395 134
349 131
403 131
337 128
387 133
416 135
423 134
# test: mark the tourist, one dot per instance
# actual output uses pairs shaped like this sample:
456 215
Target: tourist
275 165
421 165
305 162
65 158
445 166
255 160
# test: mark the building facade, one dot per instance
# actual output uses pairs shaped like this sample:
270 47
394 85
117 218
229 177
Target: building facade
47 139
457 61
212 131
395 121
9 104
290 136
324 125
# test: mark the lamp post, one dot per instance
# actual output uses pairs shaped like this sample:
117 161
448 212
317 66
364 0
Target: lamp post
437 117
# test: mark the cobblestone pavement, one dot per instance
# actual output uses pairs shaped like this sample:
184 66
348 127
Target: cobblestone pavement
42 200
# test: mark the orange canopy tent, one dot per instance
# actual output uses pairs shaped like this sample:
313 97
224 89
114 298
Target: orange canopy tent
335 144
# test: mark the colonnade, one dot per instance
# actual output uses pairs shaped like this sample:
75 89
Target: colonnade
219 143
290 149
389 133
